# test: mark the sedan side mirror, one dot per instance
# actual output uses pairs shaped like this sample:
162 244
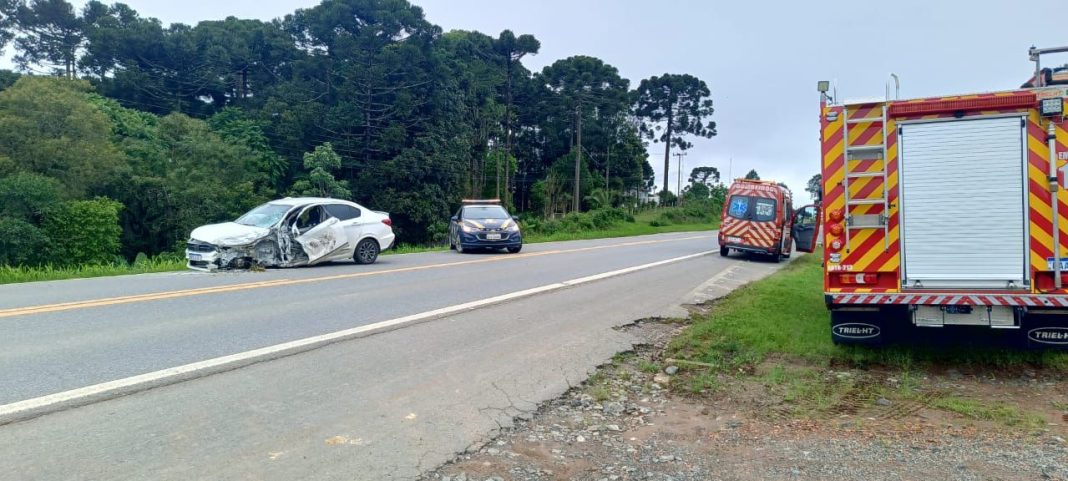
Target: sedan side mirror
454 218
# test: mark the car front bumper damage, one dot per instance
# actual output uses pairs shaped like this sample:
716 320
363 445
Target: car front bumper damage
272 250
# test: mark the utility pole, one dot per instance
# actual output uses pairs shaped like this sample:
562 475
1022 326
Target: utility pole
578 159
678 186
607 166
497 160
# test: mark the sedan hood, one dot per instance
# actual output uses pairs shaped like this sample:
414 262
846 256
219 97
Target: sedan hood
490 223
229 234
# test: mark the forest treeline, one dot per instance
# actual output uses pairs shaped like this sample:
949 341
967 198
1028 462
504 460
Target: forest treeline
140 131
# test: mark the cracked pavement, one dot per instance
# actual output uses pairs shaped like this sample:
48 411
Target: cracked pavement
387 407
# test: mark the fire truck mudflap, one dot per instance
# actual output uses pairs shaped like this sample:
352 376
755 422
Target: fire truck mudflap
947 213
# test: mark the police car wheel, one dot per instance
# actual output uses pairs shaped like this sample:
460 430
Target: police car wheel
515 250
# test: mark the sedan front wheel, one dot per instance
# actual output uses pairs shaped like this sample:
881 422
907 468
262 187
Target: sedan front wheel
366 252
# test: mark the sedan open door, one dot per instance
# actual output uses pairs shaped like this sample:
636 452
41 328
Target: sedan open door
322 239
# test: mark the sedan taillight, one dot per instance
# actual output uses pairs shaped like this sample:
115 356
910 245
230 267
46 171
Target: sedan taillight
387 221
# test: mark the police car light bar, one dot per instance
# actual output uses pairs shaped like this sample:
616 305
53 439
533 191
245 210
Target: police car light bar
481 201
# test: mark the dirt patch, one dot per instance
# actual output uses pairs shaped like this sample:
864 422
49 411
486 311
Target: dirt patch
786 419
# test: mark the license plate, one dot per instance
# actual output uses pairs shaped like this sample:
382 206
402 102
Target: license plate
194 257
493 237
958 309
1064 263
736 240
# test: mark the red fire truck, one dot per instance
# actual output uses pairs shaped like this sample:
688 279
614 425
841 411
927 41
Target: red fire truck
758 218
948 211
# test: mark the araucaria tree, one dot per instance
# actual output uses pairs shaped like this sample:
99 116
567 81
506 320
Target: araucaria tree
672 107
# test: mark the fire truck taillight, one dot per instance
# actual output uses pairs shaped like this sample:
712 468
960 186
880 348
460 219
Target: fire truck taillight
837 215
835 229
860 278
836 245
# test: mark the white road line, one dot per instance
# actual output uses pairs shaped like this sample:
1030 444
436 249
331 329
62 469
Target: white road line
30 408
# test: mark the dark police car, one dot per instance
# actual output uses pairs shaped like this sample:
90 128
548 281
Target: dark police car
484 224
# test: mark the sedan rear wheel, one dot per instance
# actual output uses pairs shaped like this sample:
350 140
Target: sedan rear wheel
366 251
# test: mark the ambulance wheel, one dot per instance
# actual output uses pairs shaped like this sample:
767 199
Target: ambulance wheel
723 251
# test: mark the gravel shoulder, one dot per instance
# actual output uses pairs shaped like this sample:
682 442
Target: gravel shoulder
633 421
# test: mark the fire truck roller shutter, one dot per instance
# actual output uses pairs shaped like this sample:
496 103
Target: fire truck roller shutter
963 203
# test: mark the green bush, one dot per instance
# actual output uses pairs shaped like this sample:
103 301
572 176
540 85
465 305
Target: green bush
693 212
22 243
577 222
84 232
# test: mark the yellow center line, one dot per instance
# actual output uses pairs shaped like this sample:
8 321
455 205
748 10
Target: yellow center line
111 301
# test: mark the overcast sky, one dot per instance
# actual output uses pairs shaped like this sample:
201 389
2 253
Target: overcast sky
760 59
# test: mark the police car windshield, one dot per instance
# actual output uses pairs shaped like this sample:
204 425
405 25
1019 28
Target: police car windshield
485 212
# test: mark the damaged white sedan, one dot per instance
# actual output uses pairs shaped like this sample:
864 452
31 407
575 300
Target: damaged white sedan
292 232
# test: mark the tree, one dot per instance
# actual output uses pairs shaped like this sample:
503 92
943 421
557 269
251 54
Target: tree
752 175
815 186
677 105
321 182
7 22
27 195
697 191
513 49
599 199
22 243
704 175
49 127
50 34
89 230
593 94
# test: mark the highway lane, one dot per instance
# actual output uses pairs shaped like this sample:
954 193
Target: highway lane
386 407
187 317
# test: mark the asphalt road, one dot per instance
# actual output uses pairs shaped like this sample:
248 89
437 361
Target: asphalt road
388 406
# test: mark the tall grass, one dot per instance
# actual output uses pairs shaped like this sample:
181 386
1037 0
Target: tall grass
11 275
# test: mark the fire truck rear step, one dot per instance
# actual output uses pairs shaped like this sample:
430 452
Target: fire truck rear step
1000 317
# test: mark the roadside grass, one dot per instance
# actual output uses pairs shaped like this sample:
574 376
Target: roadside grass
999 412
12 275
779 327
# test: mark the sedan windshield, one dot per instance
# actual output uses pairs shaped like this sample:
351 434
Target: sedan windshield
264 216
486 212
